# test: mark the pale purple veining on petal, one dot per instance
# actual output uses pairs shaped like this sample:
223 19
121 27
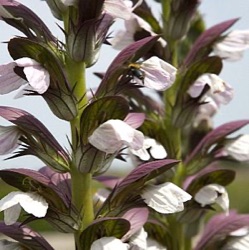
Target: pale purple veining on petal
36 75
118 9
166 198
9 80
231 48
220 91
135 120
159 75
9 139
110 136
125 37
137 218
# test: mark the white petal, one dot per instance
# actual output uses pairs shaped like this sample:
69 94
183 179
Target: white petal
9 80
34 204
239 148
9 204
165 198
223 202
219 91
109 243
141 153
159 75
139 239
113 134
10 200
237 243
12 214
213 193
122 39
38 78
233 45
9 138
101 195
117 9
158 152
243 231
26 62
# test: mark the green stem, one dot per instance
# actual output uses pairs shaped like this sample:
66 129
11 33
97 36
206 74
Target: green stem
82 197
76 77
81 182
166 10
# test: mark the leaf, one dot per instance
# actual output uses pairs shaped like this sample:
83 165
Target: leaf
222 177
137 218
126 194
215 136
28 180
104 227
211 65
202 47
144 173
26 21
26 236
100 111
120 64
219 227
59 96
32 126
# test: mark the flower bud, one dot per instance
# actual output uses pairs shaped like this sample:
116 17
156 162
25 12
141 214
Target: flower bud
91 160
84 42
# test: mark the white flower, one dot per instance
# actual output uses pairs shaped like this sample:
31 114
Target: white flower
109 243
138 241
213 193
110 136
158 74
220 91
233 45
37 77
166 198
9 138
120 8
156 150
32 203
125 37
238 148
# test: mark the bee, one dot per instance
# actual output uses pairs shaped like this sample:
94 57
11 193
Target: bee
136 71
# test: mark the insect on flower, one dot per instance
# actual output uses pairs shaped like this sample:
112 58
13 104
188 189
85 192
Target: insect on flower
136 71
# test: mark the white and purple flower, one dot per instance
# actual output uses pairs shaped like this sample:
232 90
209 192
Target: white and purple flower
233 45
158 74
151 148
113 134
9 139
166 198
134 24
31 202
120 8
37 77
237 148
211 194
